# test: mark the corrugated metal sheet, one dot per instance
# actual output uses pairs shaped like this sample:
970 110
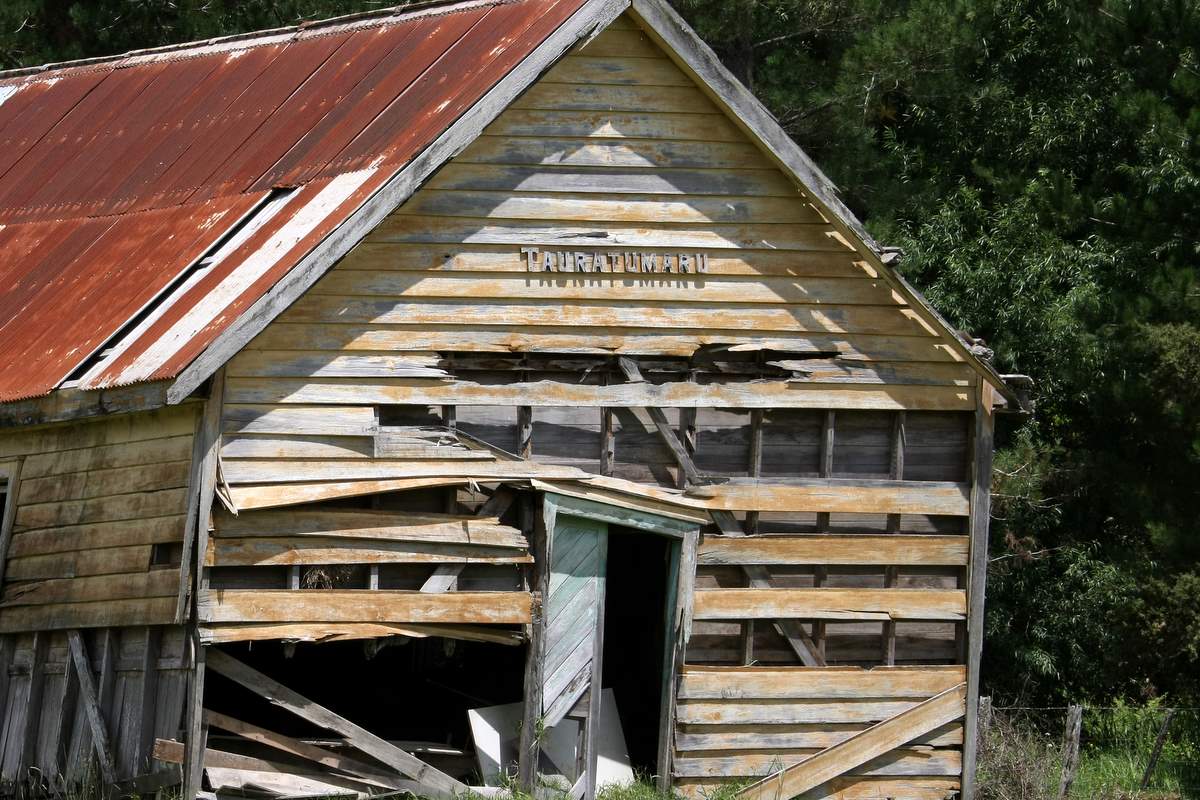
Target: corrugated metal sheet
116 176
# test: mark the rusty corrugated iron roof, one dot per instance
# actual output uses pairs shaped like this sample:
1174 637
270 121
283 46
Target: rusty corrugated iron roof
118 176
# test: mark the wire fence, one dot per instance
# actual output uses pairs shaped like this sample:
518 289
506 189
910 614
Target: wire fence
1088 752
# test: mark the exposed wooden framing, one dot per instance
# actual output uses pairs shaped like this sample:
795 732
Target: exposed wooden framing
525 432
595 693
347 631
443 579
860 748
981 497
8 644
92 706
687 435
200 448
317 755
754 467
10 478
847 549
33 702
681 625
432 779
528 744
593 16
608 446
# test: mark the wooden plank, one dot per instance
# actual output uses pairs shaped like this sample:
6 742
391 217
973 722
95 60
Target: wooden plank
788 712
591 70
591 16
104 613
306 470
621 285
282 605
585 207
861 748
356 736
102 509
157 583
317 755
730 683
229 552
898 762
119 455
298 420
108 561
618 154
90 697
696 124
847 788
616 98
112 430
344 365
836 494
279 495
146 704
172 752
126 533
748 394
391 526
831 604
700 738
105 482
849 549
28 739
224 633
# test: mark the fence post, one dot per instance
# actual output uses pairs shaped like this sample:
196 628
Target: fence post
1157 751
985 716
1070 751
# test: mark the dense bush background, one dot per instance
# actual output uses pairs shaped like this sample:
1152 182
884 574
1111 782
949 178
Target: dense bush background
1037 161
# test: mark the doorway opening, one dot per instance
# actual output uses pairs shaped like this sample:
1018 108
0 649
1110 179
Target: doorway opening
635 637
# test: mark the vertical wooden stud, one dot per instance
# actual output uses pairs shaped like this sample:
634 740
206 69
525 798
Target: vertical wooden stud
891 573
149 698
67 705
33 703
8 643
197 732
754 467
981 487
595 693
608 441
747 642
687 435
541 544
525 432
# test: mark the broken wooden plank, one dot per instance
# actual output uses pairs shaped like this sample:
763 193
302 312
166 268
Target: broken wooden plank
860 748
317 755
228 552
395 526
339 632
431 780
285 605
274 495
841 549
90 698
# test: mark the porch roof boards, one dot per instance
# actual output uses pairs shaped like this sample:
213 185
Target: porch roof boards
117 175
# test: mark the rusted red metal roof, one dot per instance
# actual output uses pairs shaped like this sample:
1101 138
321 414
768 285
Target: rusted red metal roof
117 176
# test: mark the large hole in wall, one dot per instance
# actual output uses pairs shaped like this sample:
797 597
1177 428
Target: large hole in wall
413 692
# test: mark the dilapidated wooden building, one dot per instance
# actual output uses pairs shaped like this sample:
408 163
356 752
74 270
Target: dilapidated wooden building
359 376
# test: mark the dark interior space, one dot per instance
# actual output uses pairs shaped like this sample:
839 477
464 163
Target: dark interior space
410 691
634 637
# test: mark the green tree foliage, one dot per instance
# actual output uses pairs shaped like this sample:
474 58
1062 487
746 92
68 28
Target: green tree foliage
1037 161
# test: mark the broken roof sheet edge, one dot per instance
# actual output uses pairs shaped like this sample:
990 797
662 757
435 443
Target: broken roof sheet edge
231 42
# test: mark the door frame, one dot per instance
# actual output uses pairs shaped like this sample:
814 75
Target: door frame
684 536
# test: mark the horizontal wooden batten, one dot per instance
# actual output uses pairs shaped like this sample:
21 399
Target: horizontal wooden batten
898 762
262 446
595 341
675 287
844 788
831 603
296 470
383 606
697 124
391 526
156 583
823 320
291 551
747 394
816 683
274 495
614 98
307 421
98 614
789 712
615 154
585 207
80 564
598 180
885 549
400 257
698 738
836 495
99 536
104 482
592 70
222 633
